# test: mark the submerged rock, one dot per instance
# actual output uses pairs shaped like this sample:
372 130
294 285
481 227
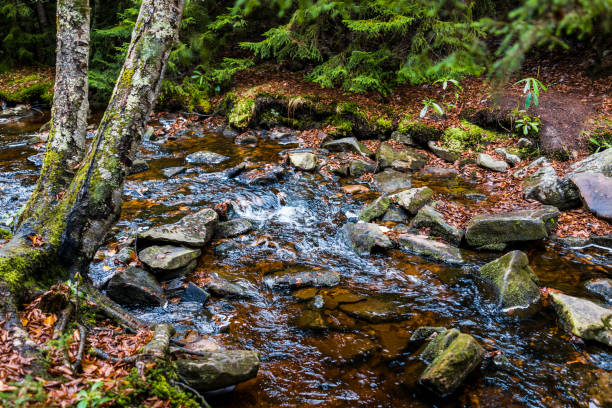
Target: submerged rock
520 225
601 287
173 171
390 181
232 228
205 157
219 369
346 347
387 154
547 188
303 160
584 318
365 236
514 281
192 230
135 286
194 293
596 193
375 209
378 309
266 174
413 199
224 288
428 217
168 258
348 144
455 356
488 162
302 279
424 246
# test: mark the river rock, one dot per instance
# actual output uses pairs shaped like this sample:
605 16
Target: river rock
245 138
456 356
167 257
310 320
413 199
545 186
396 214
138 166
514 281
428 217
219 369
375 209
596 193
403 138
387 153
424 246
441 152
584 318
390 181
520 225
303 160
359 167
266 174
224 288
355 189
194 293
596 163
378 309
365 236
126 255
345 348
348 144
232 228
512 159
438 172
488 162
302 279
601 287
170 172
135 286
229 132
421 334
205 157
192 230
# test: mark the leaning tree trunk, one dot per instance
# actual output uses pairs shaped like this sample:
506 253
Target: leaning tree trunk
78 197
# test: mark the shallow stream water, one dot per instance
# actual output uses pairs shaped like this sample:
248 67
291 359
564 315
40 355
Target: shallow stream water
298 226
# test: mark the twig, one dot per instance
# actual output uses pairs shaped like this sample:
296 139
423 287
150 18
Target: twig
190 389
105 356
62 322
76 367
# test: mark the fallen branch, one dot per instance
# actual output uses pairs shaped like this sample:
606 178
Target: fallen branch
105 356
62 322
76 367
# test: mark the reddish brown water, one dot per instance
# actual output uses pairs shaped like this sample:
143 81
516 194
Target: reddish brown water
354 363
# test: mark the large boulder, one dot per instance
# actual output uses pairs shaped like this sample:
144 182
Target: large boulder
375 209
520 225
596 163
545 186
302 279
584 318
205 157
390 181
514 281
488 162
348 144
306 161
219 369
364 236
194 230
428 217
413 199
388 153
455 356
596 193
135 286
424 246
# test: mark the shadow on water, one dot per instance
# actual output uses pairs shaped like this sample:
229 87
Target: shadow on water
358 359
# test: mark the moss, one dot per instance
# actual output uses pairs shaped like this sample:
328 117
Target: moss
468 136
418 130
241 114
5 233
31 93
384 124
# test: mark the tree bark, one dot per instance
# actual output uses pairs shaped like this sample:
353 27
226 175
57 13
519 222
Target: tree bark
42 15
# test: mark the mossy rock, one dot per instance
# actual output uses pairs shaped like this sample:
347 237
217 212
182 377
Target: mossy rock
387 154
31 93
375 209
418 130
468 136
5 233
242 113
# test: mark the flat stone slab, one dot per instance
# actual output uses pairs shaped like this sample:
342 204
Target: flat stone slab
584 318
302 279
135 286
205 157
424 246
193 230
596 193
390 181
168 257
488 162
378 309
348 144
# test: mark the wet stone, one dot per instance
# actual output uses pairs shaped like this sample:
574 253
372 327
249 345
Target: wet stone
601 287
428 217
395 214
134 286
596 193
359 167
424 246
337 296
126 255
346 347
219 369
168 257
139 166
266 174
225 248
194 293
348 144
488 162
224 288
355 189
364 237
375 209
303 160
310 320
205 157
246 138
378 309
584 318
303 295
390 181
173 171
192 230
413 199
387 154
232 228
301 279
424 332
229 132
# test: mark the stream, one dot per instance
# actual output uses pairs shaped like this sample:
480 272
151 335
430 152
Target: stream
298 226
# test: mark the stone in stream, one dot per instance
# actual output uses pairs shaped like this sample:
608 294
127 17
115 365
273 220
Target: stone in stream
359 167
421 334
378 309
488 162
355 189
205 157
168 258
225 247
584 318
232 228
303 160
126 255
310 320
424 246
395 214
192 230
453 356
515 283
345 347
428 217
390 181
245 138
545 186
219 369
387 153
173 171
601 287
138 166
375 209
224 288
363 237
348 144
441 152
595 192
135 286
194 293
265 174
302 279
37 159
520 225
413 199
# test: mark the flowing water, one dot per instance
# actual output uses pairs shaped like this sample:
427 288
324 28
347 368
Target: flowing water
298 226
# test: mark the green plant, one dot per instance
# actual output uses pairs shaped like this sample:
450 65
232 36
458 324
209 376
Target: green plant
28 392
525 124
599 142
430 103
91 397
532 90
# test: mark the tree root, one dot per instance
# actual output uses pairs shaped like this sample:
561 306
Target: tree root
184 385
158 347
76 367
105 356
62 322
112 310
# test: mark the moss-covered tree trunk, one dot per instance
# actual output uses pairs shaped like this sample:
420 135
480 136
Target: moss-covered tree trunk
78 196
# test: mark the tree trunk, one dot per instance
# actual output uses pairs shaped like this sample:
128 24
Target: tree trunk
42 15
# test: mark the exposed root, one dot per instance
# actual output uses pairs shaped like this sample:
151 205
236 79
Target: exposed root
76 367
183 385
112 310
105 356
62 322
158 347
